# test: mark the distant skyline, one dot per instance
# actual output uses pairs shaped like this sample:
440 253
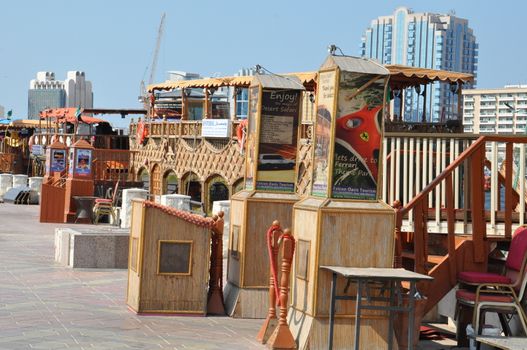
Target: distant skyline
113 41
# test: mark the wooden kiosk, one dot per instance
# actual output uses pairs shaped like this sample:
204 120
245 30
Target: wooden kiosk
274 112
342 222
80 176
52 197
169 261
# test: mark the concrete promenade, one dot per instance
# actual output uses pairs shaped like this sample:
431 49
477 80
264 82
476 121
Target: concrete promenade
47 306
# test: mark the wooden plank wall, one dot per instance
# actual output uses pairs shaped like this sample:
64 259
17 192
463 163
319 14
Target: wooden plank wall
173 293
134 283
352 238
260 216
52 203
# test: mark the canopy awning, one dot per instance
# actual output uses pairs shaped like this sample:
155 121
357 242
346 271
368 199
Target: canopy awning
68 115
400 77
24 123
405 76
307 78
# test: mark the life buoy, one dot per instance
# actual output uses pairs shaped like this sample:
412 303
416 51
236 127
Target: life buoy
241 134
141 133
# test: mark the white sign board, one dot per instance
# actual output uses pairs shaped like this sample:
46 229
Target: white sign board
215 128
37 150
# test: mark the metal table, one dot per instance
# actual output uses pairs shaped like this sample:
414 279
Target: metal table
507 343
364 277
84 207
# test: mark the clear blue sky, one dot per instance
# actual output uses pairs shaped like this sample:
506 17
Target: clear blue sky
113 40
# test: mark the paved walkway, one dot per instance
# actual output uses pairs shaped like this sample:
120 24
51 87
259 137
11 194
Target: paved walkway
47 306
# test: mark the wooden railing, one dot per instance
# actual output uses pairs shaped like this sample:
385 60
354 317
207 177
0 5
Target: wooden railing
6 162
111 165
414 160
183 128
466 175
98 141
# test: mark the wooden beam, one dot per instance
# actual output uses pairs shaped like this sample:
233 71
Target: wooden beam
449 201
479 225
508 189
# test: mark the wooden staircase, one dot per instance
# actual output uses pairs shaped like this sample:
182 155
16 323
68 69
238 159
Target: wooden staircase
441 255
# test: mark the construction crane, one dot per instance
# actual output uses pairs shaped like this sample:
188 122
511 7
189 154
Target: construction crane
153 66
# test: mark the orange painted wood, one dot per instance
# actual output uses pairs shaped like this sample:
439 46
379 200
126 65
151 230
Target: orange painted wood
52 203
419 244
451 239
479 226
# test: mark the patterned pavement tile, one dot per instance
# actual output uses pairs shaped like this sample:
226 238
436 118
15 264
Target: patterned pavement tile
47 306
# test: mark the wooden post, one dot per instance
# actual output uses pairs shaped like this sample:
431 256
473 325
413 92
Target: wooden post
424 106
419 243
282 337
508 190
184 106
479 226
459 98
274 234
234 101
398 254
451 229
215 304
206 104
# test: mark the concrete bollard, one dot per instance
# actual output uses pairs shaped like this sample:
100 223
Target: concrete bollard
126 208
6 182
178 201
35 183
19 180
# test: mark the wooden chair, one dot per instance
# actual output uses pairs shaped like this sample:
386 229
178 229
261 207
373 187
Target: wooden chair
106 206
490 292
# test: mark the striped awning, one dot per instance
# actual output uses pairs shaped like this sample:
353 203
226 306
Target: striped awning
307 78
400 77
405 76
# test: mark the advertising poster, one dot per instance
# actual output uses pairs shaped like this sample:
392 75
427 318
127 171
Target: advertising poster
83 162
326 96
251 137
278 140
48 159
70 162
357 137
58 160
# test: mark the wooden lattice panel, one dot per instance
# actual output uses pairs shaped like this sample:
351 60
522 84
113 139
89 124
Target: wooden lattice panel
185 155
303 187
208 158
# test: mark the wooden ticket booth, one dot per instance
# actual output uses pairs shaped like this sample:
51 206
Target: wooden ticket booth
269 194
52 196
342 222
169 260
80 176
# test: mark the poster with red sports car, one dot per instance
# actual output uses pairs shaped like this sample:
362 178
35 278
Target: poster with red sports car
357 136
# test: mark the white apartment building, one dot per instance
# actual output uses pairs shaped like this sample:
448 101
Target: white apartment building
495 111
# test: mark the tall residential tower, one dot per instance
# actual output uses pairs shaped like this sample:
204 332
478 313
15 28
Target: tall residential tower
427 40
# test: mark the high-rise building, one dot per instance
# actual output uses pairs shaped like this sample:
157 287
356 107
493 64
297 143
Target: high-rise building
2 111
78 90
427 40
46 92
